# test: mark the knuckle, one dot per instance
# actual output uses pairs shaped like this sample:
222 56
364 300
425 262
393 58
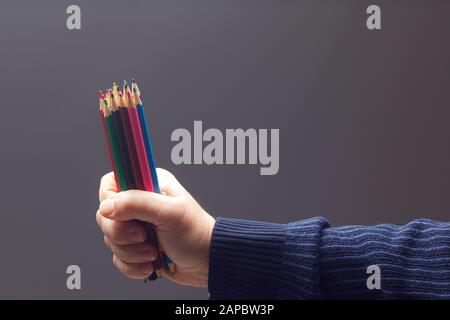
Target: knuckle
100 188
104 178
122 267
98 218
180 205
127 270
114 231
123 203
122 254
163 172
107 242
115 262
102 195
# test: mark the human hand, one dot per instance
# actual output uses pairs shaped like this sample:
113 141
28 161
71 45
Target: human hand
183 229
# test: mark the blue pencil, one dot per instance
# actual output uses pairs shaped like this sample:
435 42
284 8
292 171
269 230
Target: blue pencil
147 141
151 159
148 147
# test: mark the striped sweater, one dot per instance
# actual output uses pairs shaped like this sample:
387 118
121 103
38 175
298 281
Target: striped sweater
311 260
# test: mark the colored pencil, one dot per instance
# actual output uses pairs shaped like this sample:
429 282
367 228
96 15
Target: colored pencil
138 142
125 119
112 145
130 151
145 134
123 151
107 136
141 166
151 160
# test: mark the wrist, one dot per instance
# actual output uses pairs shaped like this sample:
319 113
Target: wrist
247 255
210 222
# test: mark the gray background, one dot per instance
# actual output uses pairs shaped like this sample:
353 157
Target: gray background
363 118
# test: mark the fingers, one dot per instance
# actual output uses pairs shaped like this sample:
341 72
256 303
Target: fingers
108 186
168 184
127 238
122 232
133 270
138 253
141 205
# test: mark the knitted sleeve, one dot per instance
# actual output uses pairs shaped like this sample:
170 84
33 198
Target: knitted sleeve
309 259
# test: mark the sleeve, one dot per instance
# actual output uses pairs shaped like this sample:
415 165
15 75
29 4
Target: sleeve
311 260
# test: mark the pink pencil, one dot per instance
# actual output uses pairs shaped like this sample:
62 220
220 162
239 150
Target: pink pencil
139 144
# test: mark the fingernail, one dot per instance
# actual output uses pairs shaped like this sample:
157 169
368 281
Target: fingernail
137 236
149 254
107 207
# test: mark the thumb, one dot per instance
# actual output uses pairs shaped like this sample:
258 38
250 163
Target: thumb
139 205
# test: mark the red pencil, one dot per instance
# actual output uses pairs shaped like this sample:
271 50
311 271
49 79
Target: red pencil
138 142
127 132
102 115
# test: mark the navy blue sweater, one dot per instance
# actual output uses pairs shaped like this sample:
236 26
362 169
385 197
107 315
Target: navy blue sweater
311 260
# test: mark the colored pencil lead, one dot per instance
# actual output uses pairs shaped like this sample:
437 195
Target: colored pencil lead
137 88
113 102
136 99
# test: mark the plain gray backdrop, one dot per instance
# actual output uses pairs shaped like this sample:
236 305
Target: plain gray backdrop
363 118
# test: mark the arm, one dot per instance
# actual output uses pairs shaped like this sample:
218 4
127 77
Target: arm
248 259
309 259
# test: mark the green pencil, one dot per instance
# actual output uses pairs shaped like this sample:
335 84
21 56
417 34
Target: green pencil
118 164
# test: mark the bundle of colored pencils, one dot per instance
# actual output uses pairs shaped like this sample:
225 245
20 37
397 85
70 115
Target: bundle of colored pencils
130 150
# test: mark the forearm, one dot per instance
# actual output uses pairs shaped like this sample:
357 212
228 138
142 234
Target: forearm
414 261
310 260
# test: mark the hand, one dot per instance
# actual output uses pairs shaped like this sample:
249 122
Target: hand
183 229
